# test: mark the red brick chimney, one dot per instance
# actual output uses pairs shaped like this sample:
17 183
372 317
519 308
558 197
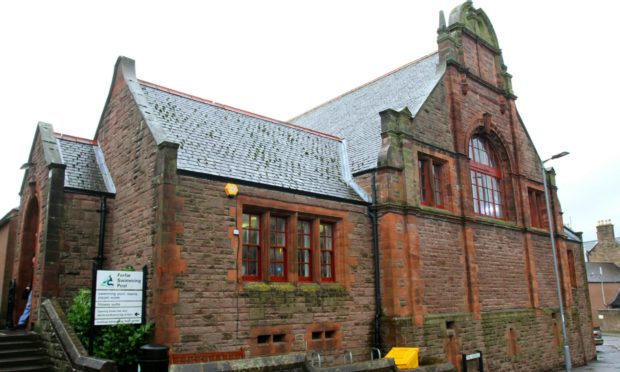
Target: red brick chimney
605 232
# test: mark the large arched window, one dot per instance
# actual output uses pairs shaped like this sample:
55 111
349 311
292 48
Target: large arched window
485 179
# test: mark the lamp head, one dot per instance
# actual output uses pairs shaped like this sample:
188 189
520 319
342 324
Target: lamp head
563 153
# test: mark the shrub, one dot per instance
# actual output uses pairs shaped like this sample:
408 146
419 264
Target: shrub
119 343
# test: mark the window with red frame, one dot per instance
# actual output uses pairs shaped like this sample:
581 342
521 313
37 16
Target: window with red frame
538 208
326 234
485 179
431 182
251 247
277 249
304 250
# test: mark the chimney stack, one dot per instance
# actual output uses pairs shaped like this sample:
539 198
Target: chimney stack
605 232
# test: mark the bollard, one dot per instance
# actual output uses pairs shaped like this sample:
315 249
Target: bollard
153 358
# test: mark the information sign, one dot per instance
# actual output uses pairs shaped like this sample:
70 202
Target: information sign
118 297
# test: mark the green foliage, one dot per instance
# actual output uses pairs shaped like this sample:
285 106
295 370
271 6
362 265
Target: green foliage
119 342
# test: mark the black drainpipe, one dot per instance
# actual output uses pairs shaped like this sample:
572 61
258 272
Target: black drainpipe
103 210
372 212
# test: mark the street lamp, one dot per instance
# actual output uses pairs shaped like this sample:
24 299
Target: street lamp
555 258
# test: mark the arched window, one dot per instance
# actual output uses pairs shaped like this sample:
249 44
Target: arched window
485 179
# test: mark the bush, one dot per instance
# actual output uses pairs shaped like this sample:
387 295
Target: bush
119 343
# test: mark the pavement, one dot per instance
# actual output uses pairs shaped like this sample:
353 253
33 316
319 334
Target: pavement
608 356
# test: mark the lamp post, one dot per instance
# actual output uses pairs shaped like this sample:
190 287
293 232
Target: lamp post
555 259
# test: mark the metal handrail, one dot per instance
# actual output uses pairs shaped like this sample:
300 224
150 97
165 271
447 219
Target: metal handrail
346 354
372 354
318 356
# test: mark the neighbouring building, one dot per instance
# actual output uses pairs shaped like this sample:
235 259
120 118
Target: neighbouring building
607 246
407 212
8 232
603 257
604 283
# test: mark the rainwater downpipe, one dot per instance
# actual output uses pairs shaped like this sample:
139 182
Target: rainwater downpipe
372 212
103 210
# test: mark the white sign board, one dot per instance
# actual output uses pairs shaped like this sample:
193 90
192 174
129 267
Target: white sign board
472 356
118 297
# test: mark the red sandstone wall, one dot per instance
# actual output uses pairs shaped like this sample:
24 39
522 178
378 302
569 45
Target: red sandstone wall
80 230
217 310
501 268
443 266
130 152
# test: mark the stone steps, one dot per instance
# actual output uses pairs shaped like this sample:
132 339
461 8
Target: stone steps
22 351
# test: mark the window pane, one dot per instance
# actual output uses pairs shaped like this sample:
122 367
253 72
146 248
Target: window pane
423 178
254 238
245 236
304 270
245 221
437 177
281 241
281 224
279 254
254 222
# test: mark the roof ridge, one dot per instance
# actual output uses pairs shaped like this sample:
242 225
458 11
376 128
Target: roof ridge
77 139
237 110
366 84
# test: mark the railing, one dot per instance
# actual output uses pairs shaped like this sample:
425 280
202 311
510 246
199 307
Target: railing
191 358
71 345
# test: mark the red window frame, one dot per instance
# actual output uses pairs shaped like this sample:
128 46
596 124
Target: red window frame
538 209
251 228
431 182
485 179
277 249
304 250
326 237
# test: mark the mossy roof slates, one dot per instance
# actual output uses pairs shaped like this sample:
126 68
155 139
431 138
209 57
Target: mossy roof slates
82 169
354 116
208 136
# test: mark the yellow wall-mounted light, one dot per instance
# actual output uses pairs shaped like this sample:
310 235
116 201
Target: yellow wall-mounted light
231 190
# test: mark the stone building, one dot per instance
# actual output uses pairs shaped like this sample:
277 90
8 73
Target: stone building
607 246
8 231
406 212
604 285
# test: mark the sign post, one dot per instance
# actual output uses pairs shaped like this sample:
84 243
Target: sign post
119 297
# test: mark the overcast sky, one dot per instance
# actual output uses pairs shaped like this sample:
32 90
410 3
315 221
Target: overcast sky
281 58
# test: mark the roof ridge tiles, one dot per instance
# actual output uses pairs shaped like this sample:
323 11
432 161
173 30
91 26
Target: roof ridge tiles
238 110
366 84
69 137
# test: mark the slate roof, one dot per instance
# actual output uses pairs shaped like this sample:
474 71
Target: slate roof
611 272
571 234
222 141
85 167
354 116
590 245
